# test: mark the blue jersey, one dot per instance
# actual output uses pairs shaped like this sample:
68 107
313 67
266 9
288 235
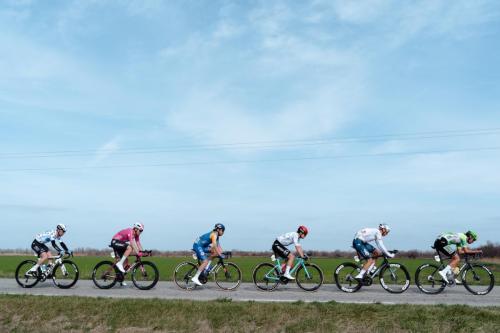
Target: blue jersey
205 240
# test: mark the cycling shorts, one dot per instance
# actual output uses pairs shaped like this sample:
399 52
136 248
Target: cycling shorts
201 252
441 245
280 250
39 248
119 246
364 249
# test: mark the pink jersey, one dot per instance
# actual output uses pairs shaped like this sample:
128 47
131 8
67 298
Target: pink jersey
126 235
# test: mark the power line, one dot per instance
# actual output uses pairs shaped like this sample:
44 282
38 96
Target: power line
430 152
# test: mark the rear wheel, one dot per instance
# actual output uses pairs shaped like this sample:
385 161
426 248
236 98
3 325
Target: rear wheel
24 279
145 275
105 275
309 277
228 277
345 277
266 276
394 278
428 279
65 274
183 274
478 279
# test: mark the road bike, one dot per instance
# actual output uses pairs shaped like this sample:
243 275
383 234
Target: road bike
63 272
144 274
267 276
476 278
393 277
227 275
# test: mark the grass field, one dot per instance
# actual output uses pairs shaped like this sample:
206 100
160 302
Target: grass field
57 314
166 265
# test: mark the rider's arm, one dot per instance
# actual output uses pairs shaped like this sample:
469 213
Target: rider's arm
466 250
298 246
54 245
63 245
215 244
134 245
381 246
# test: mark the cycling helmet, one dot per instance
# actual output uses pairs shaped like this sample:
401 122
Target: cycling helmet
385 227
219 226
61 226
138 226
471 234
303 229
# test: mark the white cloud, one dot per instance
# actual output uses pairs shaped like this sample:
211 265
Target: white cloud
105 151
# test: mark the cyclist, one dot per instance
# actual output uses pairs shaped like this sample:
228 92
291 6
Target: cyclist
39 246
127 242
280 247
207 243
361 244
444 244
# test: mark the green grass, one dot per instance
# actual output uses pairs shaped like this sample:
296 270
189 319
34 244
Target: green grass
79 314
166 265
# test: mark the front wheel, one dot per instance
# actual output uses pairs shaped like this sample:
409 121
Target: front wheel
309 277
25 279
394 278
183 274
478 279
105 275
266 277
228 277
65 274
345 277
428 279
145 275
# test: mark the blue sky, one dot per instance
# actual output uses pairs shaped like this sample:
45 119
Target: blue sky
183 114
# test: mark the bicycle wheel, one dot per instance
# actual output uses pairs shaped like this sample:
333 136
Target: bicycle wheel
266 276
228 277
65 274
394 278
345 277
478 279
145 275
105 275
428 279
309 277
183 274
26 280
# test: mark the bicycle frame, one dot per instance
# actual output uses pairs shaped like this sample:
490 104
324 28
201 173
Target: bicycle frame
299 262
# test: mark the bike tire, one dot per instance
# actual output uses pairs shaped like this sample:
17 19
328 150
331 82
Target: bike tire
23 280
264 269
312 282
69 282
183 274
472 270
428 279
110 273
137 270
400 280
221 278
344 274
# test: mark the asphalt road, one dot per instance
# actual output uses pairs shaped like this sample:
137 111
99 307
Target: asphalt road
248 292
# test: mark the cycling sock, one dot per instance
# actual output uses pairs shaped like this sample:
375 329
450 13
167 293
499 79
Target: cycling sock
197 275
287 271
34 268
361 273
122 260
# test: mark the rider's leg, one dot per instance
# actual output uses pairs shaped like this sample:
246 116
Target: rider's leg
124 257
289 264
43 257
454 261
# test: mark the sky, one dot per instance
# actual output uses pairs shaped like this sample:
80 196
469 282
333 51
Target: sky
262 115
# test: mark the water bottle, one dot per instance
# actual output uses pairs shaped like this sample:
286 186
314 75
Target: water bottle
374 268
43 268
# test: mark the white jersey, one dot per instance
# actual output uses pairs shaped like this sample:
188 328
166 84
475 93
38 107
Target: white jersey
289 238
368 235
46 237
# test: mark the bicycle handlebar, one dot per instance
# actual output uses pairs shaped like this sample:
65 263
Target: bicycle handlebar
147 253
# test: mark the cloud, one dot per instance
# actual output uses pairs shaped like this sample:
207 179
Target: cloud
105 151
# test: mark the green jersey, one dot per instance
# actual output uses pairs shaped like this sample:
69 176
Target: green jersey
455 238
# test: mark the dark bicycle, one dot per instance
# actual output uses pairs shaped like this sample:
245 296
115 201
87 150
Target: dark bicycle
227 275
144 274
64 273
476 277
393 277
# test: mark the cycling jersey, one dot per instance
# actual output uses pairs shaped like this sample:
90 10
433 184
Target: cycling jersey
289 238
455 238
367 235
127 235
38 244
48 236
207 239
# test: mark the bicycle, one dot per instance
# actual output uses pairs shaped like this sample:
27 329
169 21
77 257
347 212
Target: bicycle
227 275
267 276
144 274
393 277
475 277
64 273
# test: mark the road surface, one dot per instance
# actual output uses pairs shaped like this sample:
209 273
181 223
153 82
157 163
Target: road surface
247 292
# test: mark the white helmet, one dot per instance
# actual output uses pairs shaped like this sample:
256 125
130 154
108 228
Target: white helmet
61 226
385 227
138 226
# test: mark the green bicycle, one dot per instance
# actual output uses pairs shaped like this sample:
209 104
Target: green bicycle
267 276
